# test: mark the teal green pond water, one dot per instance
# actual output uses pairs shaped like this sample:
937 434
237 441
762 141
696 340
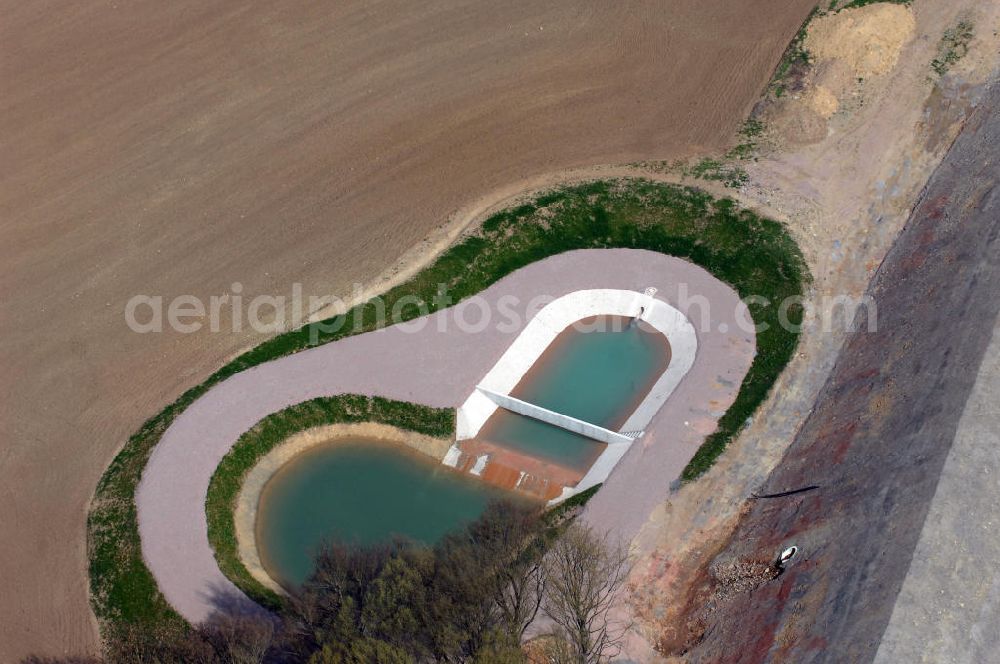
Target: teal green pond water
364 491
597 371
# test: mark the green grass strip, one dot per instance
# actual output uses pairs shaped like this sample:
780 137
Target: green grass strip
755 255
795 57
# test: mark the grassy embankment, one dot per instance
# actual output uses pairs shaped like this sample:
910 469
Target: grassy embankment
224 489
756 256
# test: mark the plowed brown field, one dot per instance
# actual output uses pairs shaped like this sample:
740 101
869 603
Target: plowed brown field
178 147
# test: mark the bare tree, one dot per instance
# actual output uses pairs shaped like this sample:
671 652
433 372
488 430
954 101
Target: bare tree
511 538
156 644
585 574
222 639
520 594
240 639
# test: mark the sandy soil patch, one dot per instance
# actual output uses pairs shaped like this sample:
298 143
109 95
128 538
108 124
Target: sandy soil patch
245 513
850 50
823 101
868 39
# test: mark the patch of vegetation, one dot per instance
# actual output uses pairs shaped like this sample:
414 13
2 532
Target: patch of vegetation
558 514
755 255
853 4
730 175
796 60
750 134
469 598
794 63
573 502
225 485
953 47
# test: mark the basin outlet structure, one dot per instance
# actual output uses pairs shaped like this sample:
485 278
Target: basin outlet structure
494 390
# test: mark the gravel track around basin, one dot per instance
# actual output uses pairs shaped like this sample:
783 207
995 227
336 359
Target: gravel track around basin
438 365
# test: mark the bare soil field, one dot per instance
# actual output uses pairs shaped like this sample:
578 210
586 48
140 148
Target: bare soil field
177 148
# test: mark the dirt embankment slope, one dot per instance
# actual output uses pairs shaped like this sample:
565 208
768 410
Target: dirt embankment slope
880 434
845 183
171 148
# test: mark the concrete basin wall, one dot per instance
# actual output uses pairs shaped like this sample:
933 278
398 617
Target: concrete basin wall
558 315
587 429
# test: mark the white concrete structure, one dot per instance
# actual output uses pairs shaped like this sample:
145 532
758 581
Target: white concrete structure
542 330
587 429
